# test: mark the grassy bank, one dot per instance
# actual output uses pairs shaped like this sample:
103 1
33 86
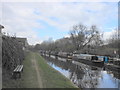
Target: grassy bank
29 79
50 77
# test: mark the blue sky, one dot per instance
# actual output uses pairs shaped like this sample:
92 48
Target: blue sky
43 20
50 31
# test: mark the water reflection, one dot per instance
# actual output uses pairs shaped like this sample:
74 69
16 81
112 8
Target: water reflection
85 76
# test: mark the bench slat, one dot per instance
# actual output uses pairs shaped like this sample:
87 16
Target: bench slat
17 71
16 68
21 67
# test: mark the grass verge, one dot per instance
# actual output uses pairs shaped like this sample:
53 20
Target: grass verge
52 78
29 77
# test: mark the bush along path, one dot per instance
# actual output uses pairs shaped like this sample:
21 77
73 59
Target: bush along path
12 55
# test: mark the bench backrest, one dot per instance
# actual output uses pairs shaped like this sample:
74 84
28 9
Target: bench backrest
18 68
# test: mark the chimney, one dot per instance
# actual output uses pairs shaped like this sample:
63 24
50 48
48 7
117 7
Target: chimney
1 27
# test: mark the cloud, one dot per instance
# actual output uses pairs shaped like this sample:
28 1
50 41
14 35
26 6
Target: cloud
69 14
22 18
108 35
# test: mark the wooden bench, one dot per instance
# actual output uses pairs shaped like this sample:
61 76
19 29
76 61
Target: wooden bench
17 71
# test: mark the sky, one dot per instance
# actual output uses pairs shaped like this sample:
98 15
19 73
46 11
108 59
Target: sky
39 21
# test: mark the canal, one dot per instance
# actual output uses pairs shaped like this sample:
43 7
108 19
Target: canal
85 76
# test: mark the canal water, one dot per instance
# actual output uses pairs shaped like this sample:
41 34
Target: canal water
85 76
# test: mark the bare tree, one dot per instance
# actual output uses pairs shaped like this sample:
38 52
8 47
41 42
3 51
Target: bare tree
114 41
64 44
82 36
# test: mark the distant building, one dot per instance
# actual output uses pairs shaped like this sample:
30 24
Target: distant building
23 41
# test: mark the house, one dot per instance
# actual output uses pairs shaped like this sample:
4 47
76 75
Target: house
23 42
